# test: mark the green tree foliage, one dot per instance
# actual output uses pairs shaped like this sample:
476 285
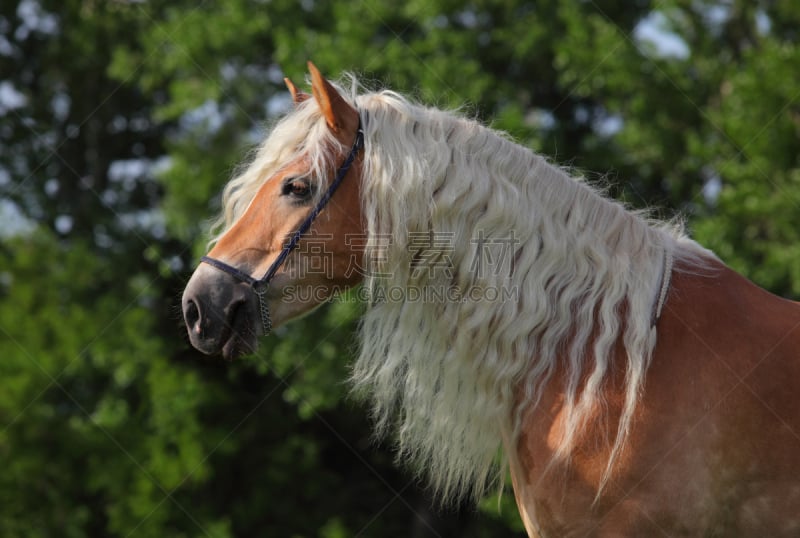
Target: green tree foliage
120 122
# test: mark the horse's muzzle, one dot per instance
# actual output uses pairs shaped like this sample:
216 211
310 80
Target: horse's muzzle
218 312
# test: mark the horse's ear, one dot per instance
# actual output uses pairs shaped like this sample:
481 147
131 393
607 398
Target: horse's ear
333 106
297 96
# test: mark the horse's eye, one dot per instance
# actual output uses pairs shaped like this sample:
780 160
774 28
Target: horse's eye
299 189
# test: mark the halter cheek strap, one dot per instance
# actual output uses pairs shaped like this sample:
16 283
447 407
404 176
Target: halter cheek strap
261 285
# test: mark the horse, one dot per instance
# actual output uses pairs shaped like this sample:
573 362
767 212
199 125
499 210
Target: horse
517 321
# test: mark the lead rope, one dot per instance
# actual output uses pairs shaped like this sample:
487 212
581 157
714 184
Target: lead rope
266 320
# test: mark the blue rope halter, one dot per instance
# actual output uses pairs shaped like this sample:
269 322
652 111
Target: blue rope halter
260 285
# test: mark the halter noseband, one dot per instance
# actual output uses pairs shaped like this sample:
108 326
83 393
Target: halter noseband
261 285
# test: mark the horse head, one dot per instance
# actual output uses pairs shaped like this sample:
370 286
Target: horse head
291 228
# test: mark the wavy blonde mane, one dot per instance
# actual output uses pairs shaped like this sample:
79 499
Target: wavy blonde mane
453 378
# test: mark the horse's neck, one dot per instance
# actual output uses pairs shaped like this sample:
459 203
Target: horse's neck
561 207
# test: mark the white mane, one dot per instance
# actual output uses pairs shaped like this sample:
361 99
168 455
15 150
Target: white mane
441 195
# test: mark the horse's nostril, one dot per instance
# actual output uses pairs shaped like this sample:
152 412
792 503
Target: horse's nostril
192 316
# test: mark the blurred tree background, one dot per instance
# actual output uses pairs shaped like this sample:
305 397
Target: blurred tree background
120 121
